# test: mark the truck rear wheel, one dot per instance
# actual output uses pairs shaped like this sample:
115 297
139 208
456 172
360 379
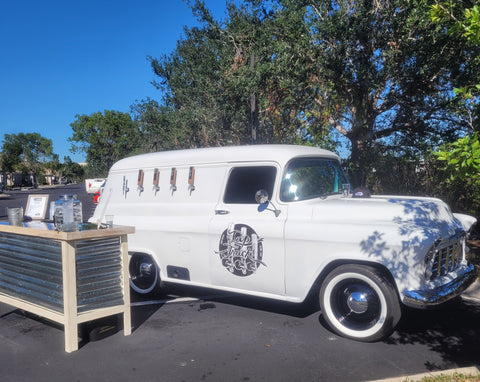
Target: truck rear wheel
144 275
359 302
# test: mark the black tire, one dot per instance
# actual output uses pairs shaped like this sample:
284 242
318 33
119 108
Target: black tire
144 274
359 302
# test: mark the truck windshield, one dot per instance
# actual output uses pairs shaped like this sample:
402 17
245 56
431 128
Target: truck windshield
307 178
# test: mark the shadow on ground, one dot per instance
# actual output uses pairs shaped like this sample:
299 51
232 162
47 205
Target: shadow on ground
452 331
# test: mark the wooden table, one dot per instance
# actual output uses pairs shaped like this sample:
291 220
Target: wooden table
66 277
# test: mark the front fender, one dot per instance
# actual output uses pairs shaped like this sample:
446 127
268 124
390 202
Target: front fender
466 221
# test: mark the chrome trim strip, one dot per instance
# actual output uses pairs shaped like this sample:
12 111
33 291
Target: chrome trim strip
431 297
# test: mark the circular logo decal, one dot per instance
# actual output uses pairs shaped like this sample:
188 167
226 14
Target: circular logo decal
240 250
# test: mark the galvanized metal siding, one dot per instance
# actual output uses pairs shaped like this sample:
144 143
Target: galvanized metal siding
31 269
99 273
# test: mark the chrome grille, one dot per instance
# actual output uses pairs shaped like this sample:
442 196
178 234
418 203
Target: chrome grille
446 258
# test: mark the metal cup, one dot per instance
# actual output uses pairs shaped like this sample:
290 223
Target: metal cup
15 216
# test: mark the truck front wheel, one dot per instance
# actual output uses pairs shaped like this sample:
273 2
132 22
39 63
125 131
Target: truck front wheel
144 275
359 302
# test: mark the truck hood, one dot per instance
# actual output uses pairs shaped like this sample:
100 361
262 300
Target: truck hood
404 213
392 230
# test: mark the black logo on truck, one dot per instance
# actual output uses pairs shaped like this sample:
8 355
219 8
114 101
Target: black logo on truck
240 250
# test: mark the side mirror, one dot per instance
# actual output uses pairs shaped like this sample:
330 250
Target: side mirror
261 197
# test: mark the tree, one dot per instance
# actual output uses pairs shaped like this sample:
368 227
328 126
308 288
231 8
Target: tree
26 152
156 126
105 138
70 170
197 97
462 21
384 76
377 73
10 156
270 67
462 168
461 159
226 84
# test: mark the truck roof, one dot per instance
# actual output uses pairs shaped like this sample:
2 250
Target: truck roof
226 154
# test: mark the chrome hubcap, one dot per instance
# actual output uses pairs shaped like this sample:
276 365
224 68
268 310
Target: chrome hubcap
143 273
145 269
355 304
358 302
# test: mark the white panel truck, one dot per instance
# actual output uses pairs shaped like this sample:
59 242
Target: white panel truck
280 222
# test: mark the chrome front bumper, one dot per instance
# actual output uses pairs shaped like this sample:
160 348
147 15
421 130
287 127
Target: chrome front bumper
431 297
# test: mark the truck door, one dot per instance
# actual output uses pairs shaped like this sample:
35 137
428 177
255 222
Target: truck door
246 241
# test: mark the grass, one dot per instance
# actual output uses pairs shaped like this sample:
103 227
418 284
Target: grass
455 377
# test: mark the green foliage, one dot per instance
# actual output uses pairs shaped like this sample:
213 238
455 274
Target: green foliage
461 164
458 19
460 160
450 15
241 81
71 170
376 74
25 152
105 138
157 128
389 74
11 151
472 25
199 105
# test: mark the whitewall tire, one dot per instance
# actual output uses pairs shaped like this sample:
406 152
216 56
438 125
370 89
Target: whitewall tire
359 302
144 274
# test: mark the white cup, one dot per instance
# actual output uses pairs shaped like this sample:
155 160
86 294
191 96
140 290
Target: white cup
109 220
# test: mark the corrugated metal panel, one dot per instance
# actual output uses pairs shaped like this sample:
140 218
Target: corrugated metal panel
31 270
99 273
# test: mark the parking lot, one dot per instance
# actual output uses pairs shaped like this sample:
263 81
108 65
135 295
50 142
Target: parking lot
233 338
195 335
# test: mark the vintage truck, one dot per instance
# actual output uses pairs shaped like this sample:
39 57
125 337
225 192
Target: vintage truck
279 221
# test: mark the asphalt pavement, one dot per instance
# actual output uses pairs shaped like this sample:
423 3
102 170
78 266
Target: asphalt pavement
186 336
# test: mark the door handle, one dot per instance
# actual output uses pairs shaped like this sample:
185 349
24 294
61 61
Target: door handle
221 212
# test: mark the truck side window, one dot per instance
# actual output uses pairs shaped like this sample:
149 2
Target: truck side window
244 182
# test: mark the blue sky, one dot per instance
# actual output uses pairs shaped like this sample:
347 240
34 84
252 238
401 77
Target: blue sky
59 58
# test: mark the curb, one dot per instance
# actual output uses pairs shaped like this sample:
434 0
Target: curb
469 371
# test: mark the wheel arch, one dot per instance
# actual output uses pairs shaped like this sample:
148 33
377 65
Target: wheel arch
359 300
336 263
158 279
